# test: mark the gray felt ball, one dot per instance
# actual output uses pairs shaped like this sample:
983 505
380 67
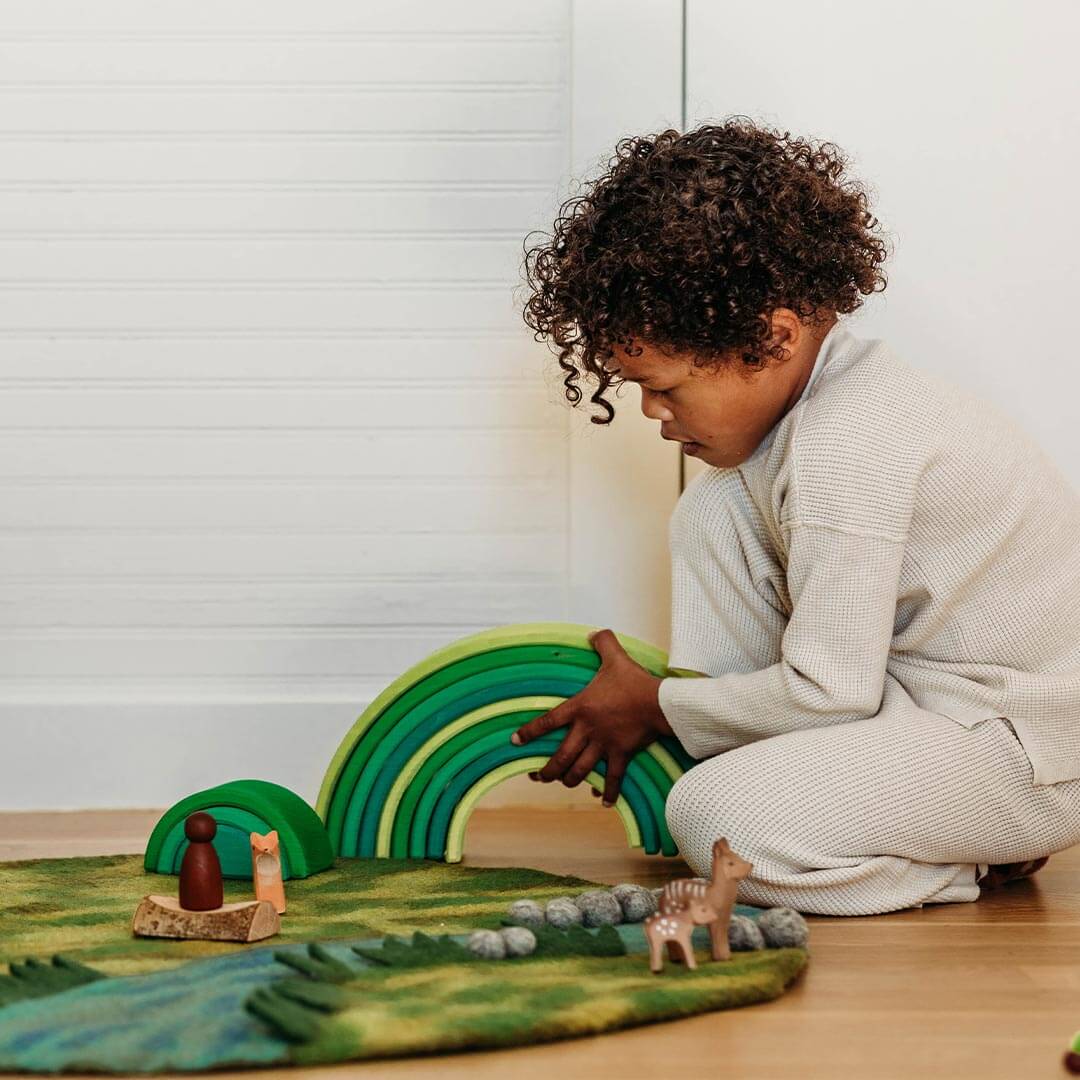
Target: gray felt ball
637 902
599 908
783 927
528 912
519 940
743 934
562 913
487 943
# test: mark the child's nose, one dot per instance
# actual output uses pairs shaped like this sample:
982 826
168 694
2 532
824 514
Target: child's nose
653 408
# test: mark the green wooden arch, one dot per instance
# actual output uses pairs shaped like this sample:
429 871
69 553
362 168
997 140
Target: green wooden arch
241 807
375 797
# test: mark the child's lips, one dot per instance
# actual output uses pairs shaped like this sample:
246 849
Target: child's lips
687 446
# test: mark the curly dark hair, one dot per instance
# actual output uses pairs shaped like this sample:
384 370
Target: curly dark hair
689 242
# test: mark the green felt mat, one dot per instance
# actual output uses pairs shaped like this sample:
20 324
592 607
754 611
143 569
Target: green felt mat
83 907
280 1002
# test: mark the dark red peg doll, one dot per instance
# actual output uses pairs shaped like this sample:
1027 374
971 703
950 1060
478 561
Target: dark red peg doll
201 887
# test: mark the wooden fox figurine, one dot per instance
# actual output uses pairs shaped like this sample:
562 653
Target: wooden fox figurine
266 869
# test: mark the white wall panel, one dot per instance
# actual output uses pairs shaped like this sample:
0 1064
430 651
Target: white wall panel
329 506
627 81
271 426
132 406
962 120
281 115
219 207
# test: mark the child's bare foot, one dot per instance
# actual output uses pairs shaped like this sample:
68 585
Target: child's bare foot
1003 873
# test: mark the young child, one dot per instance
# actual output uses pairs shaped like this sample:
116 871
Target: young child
879 576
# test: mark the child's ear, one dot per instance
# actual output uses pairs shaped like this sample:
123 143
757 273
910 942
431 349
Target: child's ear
271 837
257 839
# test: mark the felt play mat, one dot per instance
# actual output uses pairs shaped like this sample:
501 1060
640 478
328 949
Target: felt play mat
370 962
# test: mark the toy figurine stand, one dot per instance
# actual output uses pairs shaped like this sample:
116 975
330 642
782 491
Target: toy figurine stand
163 917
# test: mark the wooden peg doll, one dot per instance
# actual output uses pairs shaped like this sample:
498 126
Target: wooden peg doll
201 886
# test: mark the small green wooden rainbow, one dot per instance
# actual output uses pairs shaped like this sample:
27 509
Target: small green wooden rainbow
411 769
240 808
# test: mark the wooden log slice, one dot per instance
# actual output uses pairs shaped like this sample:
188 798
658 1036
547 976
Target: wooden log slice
163 917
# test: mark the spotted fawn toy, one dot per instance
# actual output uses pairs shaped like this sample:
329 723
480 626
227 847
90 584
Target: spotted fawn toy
690 902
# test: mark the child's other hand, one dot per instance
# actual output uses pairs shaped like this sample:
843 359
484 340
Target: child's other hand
612 718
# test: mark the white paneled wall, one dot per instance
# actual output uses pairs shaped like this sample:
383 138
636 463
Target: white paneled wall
271 426
965 131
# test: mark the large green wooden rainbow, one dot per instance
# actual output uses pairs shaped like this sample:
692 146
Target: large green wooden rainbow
410 770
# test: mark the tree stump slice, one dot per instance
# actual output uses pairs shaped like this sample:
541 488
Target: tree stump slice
163 917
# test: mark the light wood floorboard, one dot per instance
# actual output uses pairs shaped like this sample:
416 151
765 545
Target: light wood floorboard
987 990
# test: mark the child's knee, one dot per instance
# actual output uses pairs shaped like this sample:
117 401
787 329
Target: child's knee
679 806
703 805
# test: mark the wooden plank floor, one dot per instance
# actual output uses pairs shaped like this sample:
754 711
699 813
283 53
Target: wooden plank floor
988 989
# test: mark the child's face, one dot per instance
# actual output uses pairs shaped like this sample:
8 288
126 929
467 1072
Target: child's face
722 414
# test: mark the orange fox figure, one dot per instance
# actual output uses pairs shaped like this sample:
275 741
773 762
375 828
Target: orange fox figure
266 869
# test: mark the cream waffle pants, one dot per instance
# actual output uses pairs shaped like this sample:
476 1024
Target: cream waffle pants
899 810
904 808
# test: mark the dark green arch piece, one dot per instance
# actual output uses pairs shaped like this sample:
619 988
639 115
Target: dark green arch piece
232 843
301 834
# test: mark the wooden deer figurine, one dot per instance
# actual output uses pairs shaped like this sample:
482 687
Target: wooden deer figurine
689 902
674 931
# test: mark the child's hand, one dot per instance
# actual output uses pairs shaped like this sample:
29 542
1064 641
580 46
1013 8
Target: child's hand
612 718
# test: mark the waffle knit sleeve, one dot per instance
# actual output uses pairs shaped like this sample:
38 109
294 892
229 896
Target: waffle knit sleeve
843 586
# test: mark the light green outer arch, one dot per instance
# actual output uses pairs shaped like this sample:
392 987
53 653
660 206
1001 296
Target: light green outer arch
389 810
571 635
455 835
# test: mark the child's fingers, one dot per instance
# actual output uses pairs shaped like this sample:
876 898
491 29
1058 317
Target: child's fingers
584 765
613 775
540 725
564 757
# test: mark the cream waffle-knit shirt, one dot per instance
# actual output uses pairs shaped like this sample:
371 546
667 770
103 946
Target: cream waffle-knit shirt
920 534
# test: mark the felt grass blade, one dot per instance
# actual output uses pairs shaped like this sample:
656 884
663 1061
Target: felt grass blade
35 978
574 941
423 951
324 996
318 964
289 1019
